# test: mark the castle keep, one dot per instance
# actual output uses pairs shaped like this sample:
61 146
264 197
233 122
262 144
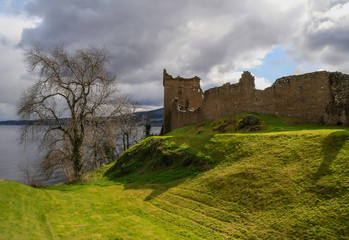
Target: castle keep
321 97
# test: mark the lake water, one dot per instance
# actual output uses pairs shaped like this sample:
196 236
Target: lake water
14 156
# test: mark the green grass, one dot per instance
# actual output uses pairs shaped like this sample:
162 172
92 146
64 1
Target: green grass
288 181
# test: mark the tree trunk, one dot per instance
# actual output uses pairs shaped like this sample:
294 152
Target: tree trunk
124 141
95 155
77 157
128 140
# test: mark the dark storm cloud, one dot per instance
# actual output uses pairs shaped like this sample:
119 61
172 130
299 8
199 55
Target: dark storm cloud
338 38
133 31
137 33
188 37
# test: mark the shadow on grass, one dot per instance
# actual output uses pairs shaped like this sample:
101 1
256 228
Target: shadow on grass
159 164
331 146
159 181
329 179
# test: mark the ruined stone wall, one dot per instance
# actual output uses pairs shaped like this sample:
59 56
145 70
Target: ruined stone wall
321 97
337 110
188 93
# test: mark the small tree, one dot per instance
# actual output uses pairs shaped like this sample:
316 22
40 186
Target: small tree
31 174
76 102
128 129
147 127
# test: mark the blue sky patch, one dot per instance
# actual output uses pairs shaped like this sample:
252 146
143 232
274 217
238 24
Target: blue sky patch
11 7
276 64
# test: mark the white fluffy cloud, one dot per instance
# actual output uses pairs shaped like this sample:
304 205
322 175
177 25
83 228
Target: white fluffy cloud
324 36
215 78
12 67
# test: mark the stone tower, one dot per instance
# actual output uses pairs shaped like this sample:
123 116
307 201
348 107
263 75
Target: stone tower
186 91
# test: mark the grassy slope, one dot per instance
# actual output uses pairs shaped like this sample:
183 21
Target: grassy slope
288 181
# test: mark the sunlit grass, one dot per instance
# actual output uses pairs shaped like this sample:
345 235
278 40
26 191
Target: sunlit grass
288 181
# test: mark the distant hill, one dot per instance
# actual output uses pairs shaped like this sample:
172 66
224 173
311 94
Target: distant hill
155 116
15 122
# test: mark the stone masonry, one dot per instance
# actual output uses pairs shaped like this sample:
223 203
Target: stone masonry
321 97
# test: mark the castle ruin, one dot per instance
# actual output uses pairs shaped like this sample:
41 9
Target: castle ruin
321 97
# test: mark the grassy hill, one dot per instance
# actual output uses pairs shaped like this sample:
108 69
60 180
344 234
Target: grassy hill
282 179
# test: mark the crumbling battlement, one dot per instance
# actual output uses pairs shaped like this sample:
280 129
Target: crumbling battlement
321 97
185 93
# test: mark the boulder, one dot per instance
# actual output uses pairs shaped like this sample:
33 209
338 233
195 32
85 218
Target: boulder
248 122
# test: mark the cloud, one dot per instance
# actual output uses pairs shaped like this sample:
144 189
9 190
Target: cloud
186 37
147 93
12 67
324 37
218 79
214 40
262 83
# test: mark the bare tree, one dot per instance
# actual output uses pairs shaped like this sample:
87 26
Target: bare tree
76 102
128 130
31 174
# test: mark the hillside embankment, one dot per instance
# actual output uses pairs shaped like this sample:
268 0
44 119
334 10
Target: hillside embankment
281 178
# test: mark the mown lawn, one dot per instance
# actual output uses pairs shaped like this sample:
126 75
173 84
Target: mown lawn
197 183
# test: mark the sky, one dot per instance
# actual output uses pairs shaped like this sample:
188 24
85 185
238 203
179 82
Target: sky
214 39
